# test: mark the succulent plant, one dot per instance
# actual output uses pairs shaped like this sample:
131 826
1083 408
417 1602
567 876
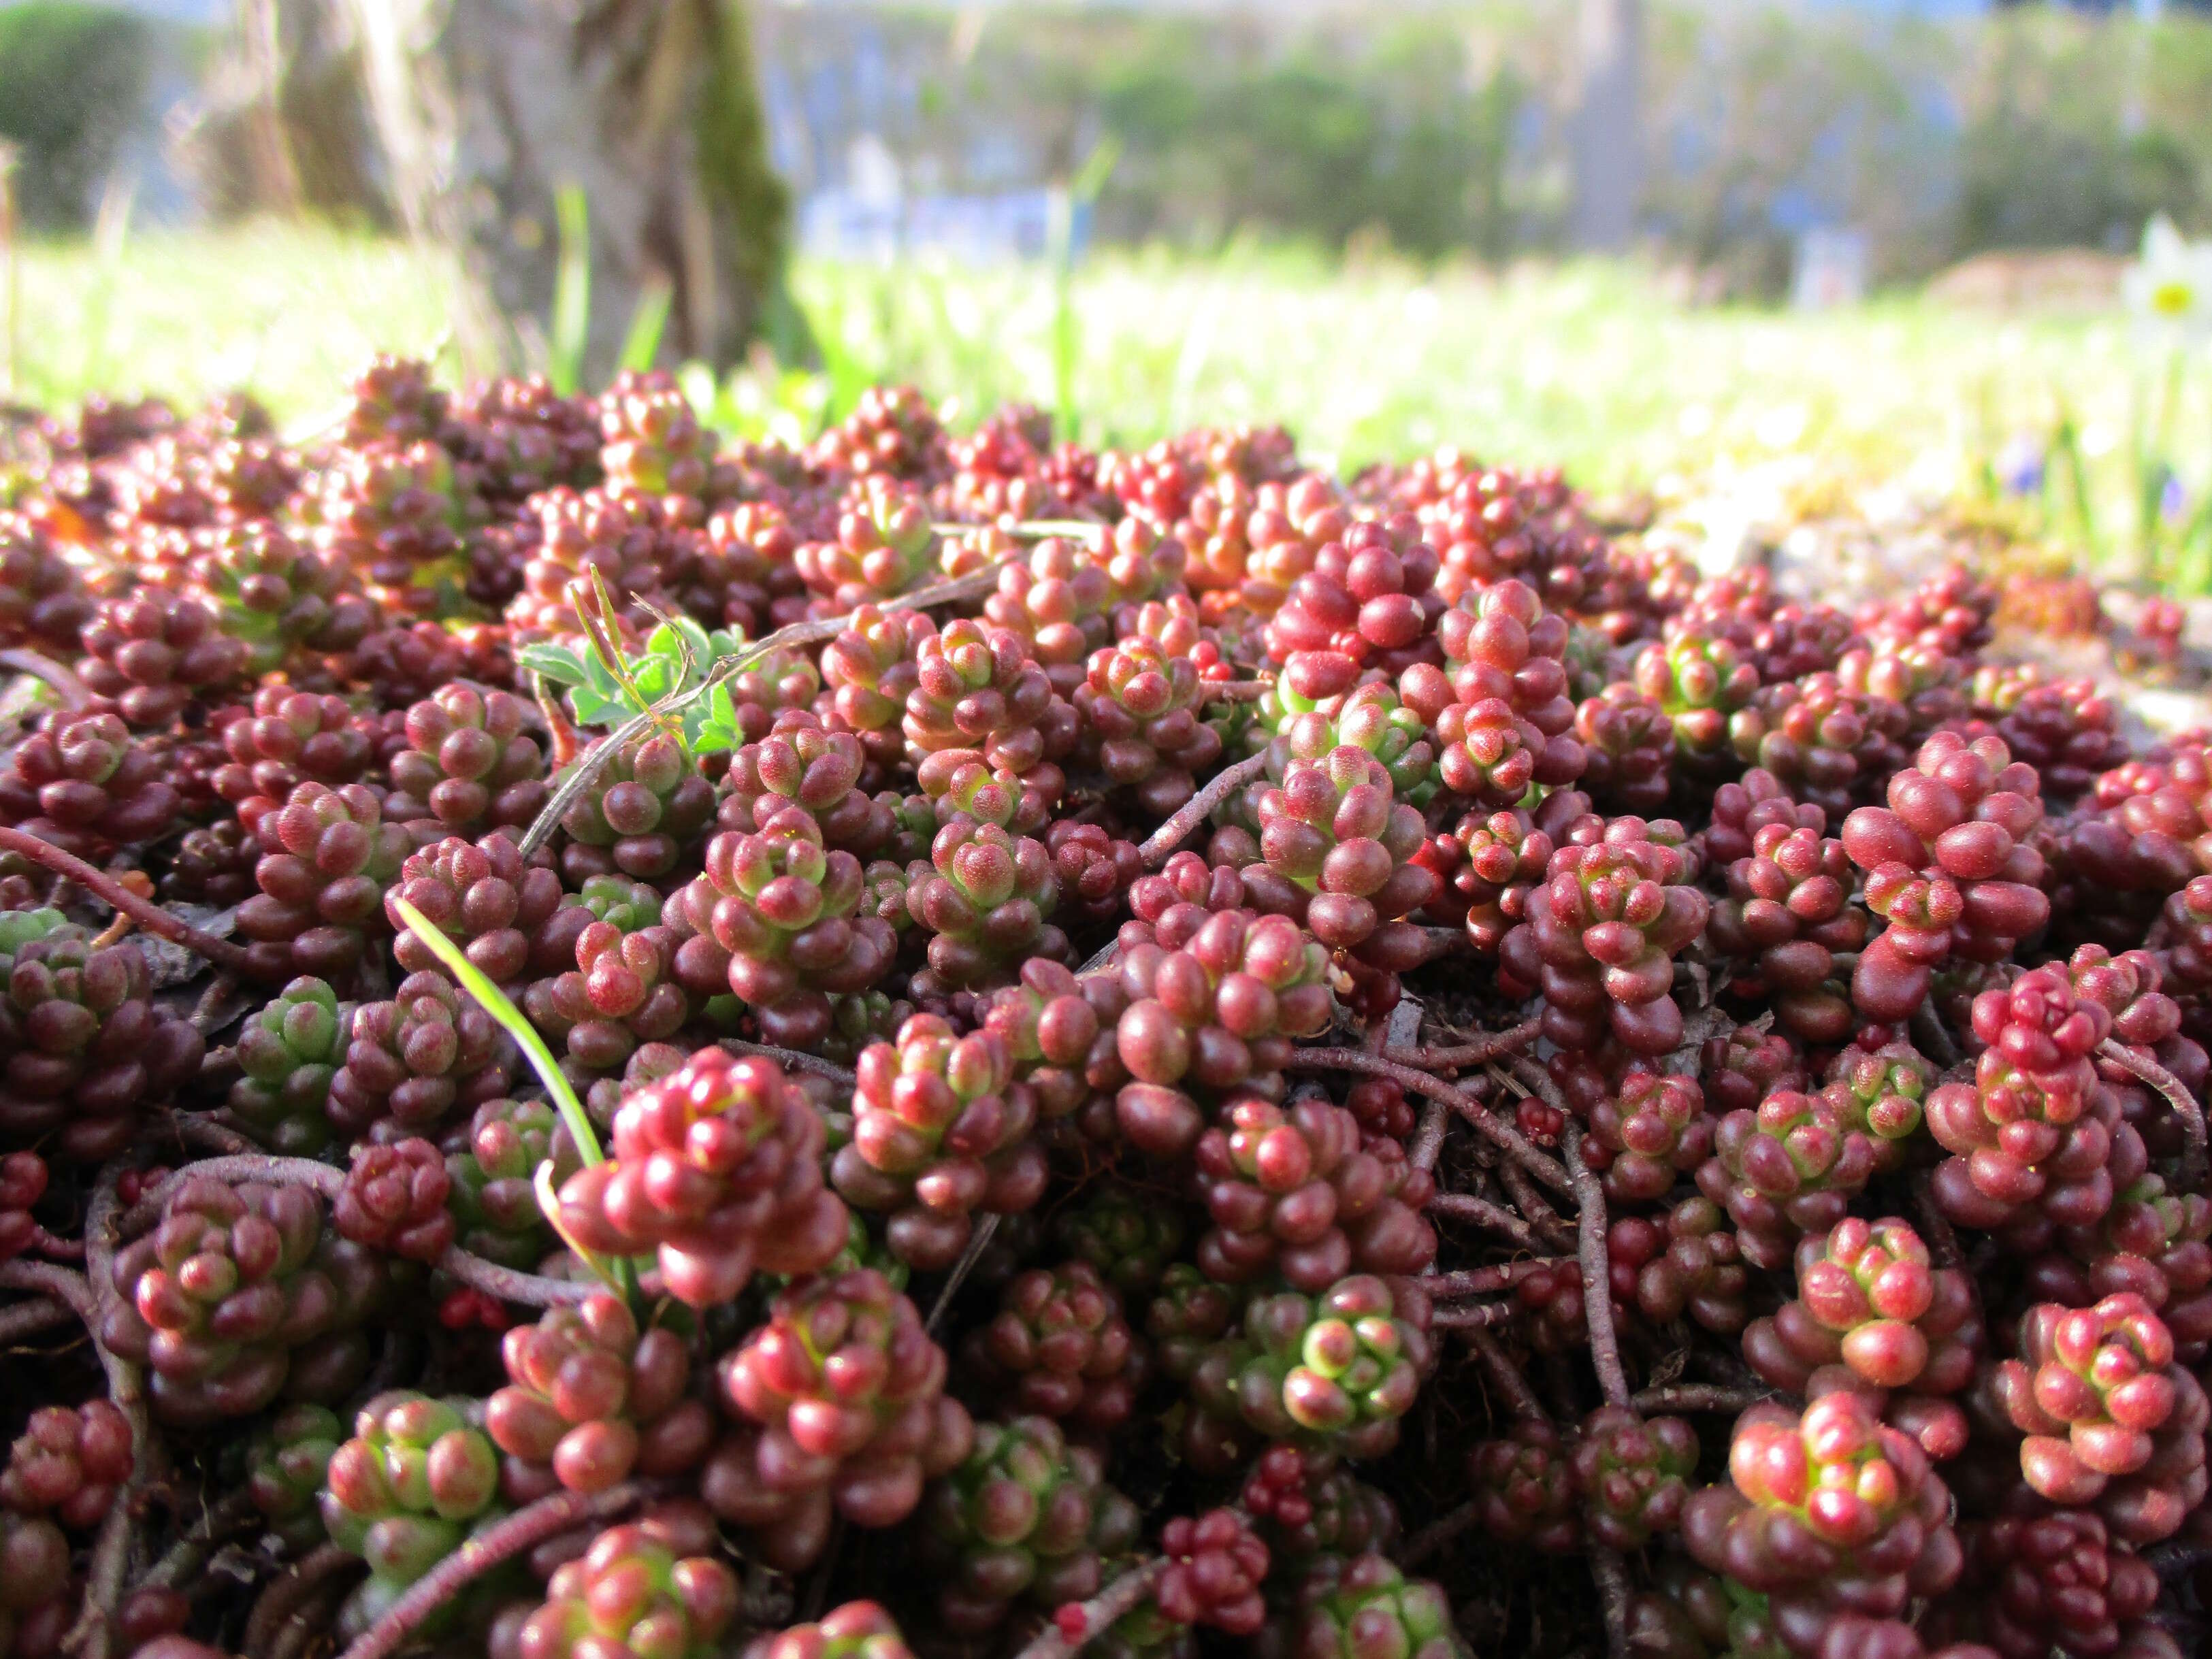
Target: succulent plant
717 1168
238 1293
405 1491
1026 1516
591 1399
940 1130
841 1396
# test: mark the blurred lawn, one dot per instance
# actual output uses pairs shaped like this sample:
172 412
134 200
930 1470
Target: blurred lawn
1588 365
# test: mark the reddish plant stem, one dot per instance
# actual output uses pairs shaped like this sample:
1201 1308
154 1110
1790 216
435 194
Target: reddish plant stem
231 1514
1481 1051
1597 1276
74 693
1487 1123
203 1133
1485 1281
232 958
1235 690
57 1250
126 1389
1191 813
301 1583
63 1285
1935 1227
34 1318
1612 1575
1492 1217
1551 1232
1438 1533
318 1178
1698 1397
1077 1623
2186 1108
1505 1377
791 1059
1429 1138
522 1531
530 1290
1471 1316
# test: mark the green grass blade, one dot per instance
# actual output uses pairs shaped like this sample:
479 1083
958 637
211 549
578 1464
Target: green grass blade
642 343
494 1002
572 292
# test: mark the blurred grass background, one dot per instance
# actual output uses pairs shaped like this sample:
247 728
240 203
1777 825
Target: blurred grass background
1593 365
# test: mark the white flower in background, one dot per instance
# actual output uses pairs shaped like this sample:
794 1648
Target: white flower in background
2169 288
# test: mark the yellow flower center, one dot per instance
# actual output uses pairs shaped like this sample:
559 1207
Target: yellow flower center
2173 298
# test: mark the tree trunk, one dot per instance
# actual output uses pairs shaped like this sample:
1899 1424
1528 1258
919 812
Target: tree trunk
489 109
1608 137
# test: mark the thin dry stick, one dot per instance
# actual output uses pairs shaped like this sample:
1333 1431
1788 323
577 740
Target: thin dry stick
792 1059
1597 1276
522 1531
1493 1046
1079 1622
2136 1060
1612 1575
979 1242
287 1596
232 958
1492 1217
1698 1397
1191 813
1506 1377
1487 1123
588 766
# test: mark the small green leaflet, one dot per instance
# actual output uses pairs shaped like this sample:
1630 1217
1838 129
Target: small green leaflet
679 655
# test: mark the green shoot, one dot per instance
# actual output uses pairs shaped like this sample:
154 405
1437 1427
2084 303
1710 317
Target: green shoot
572 291
494 1002
642 345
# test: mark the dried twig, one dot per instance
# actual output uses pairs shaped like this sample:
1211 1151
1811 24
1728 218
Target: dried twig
2139 1062
978 1242
231 958
1487 1123
231 1514
1429 1137
1597 1277
1438 1533
1191 813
